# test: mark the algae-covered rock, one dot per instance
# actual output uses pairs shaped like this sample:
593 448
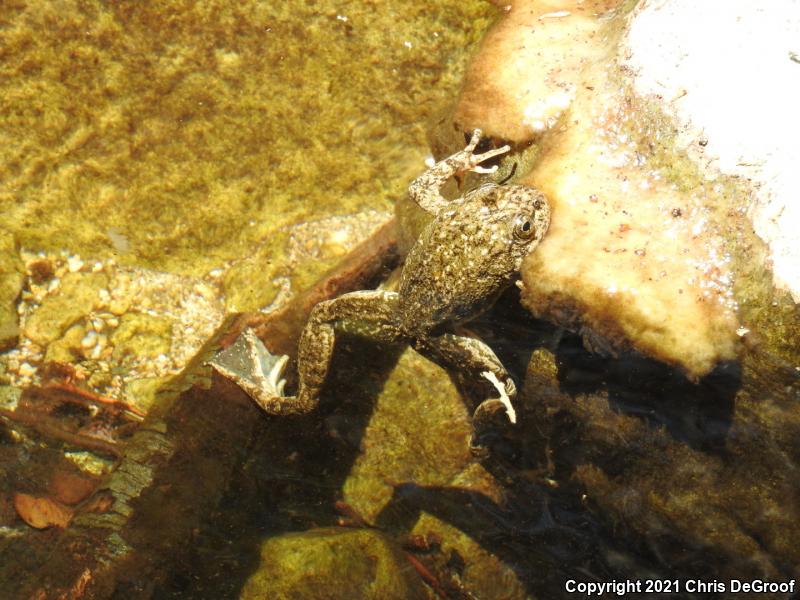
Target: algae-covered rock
76 297
67 348
198 146
11 279
482 572
251 284
141 335
329 564
419 432
700 474
734 123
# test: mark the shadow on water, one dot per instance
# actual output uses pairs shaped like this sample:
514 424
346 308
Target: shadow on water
291 480
699 415
544 531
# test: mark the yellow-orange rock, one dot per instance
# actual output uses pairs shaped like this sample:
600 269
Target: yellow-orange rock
530 65
634 253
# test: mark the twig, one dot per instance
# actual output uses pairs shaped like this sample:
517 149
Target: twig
53 428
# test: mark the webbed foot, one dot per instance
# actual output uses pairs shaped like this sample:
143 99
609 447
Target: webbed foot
507 392
473 161
249 364
485 416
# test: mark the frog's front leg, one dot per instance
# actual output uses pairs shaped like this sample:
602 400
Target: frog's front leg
424 190
366 313
457 352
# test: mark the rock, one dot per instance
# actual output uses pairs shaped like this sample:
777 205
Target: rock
419 432
529 66
41 512
333 563
483 573
77 296
731 120
632 254
638 254
67 349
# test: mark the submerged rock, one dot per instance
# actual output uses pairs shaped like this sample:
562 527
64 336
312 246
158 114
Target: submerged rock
419 432
333 563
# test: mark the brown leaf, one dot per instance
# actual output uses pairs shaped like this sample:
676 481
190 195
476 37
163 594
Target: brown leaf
70 487
42 512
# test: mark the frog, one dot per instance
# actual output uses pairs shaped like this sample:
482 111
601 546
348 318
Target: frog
464 259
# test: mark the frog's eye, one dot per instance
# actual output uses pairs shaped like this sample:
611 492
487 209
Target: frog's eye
523 227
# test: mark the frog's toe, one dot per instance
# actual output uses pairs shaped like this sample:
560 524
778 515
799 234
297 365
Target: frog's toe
474 140
506 392
253 368
477 159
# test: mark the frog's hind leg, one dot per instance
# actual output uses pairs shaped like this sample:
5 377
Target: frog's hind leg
365 313
472 356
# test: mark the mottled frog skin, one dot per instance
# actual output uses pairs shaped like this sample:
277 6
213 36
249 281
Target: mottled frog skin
463 260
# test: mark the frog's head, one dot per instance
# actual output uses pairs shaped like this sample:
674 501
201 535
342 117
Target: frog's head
514 218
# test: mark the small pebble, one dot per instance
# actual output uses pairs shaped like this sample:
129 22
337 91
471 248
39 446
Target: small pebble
74 263
89 340
26 370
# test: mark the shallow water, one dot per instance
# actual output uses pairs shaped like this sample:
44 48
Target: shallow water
167 165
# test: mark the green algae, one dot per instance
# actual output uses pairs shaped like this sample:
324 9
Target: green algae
67 349
195 132
141 335
11 279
